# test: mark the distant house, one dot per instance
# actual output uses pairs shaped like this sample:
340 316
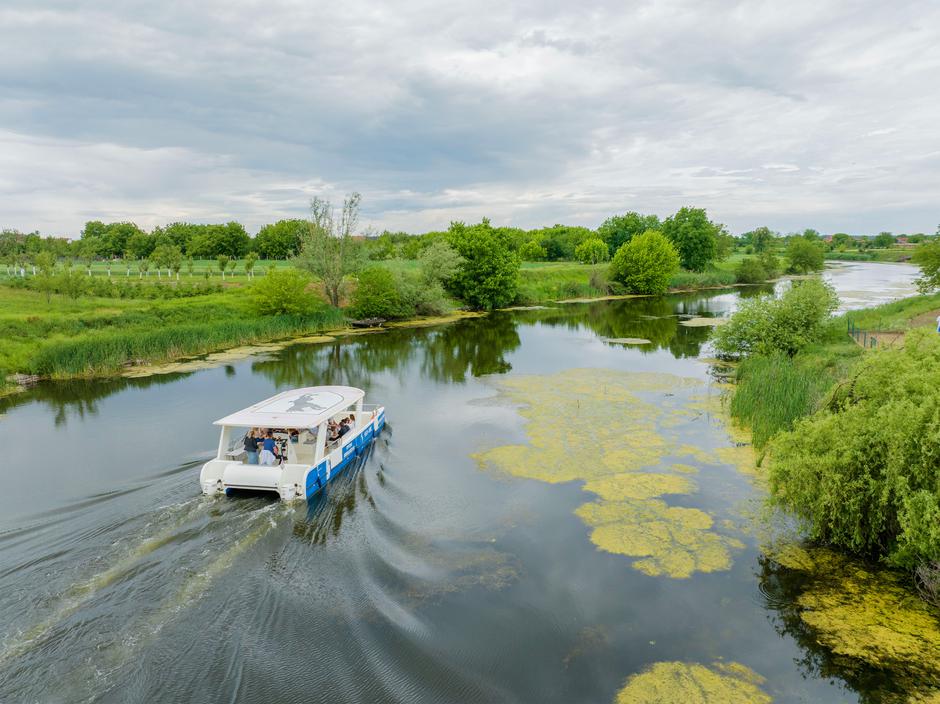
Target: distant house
902 241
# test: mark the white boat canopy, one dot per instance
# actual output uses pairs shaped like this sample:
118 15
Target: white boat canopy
297 408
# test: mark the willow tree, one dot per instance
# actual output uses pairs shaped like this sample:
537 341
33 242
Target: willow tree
327 248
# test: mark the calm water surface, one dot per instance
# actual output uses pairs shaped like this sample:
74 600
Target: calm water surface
416 577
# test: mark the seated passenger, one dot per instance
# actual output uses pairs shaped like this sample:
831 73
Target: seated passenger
344 427
269 455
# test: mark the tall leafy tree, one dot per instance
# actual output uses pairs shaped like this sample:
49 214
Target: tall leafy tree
694 235
620 229
281 239
805 255
327 248
489 273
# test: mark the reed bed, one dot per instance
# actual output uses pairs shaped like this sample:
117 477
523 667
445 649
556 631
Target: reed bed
773 392
107 351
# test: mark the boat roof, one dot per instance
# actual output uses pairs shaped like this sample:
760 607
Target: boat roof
297 408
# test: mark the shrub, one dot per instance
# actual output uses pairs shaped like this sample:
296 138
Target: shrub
377 295
422 297
805 255
765 324
282 292
862 473
750 271
439 262
592 251
645 264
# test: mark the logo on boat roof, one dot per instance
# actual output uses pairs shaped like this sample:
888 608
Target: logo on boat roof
304 403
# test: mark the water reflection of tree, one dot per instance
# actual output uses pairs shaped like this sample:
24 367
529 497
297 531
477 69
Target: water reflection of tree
656 319
445 354
80 397
781 588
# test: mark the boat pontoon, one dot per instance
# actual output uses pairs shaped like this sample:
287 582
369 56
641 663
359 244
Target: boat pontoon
299 420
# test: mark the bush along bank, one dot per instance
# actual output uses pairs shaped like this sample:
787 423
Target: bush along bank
850 434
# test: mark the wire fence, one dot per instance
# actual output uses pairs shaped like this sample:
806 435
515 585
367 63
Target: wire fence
865 338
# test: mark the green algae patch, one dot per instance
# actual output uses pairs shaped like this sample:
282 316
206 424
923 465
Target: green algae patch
869 617
614 431
218 359
627 340
435 320
692 683
703 322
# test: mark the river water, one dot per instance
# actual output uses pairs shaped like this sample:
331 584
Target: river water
425 573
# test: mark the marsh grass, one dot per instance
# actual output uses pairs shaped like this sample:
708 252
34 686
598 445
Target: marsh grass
774 391
107 351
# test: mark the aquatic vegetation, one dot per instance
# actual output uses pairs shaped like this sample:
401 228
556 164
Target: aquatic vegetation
692 683
857 622
627 340
217 359
608 429
703 322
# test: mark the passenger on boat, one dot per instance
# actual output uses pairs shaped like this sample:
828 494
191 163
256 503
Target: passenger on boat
344 427
269 452
251 445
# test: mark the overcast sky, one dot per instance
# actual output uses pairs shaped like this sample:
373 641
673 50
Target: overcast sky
791 114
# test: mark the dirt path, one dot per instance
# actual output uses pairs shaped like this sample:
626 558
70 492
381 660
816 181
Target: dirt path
896 338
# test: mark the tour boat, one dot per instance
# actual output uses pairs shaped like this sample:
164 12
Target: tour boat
299 422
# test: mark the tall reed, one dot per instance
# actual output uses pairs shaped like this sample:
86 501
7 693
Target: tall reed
106 351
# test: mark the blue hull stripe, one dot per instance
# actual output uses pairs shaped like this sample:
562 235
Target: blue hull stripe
317 477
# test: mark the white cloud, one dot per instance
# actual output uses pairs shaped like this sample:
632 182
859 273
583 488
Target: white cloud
529 112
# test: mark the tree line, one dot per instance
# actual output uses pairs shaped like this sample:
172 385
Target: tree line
282 240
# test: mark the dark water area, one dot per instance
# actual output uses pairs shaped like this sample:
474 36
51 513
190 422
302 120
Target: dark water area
416 576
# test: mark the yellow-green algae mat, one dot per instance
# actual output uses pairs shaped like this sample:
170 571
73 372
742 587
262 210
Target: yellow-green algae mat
871 617
592 425
691 683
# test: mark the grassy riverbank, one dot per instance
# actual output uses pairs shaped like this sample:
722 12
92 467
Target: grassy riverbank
96 336
99 336
773 392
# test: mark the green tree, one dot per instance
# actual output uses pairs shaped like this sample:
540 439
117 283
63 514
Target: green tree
190 265
280 240
377 295
694 235
883 240
250 260
222 261
927 257
805 255
532 251
765 325
328 250
45 261
592 251
143 267
761 239
282 292
383 248
617 230
139 245
167 256
645 264
841 239
811 234
489 271
439 262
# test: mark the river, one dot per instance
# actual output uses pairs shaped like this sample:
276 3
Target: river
450 565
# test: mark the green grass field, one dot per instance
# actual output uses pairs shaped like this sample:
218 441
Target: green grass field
94 336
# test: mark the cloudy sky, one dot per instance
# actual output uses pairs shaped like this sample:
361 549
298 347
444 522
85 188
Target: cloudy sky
790 114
